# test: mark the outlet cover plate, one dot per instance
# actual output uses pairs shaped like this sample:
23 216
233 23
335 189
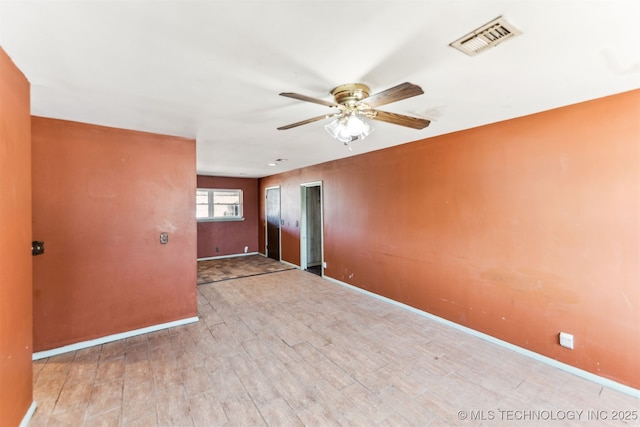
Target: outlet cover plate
566 340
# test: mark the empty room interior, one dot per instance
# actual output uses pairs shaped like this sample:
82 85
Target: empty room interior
352 213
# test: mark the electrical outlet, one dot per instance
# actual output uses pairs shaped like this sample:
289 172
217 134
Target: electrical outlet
246 249
324 265
566 340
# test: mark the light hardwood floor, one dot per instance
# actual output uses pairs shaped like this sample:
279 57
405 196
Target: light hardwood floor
292 349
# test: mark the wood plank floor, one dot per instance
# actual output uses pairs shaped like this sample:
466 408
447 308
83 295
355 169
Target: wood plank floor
216 270
292 349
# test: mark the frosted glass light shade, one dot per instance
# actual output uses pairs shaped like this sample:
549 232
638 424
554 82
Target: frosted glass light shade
348 128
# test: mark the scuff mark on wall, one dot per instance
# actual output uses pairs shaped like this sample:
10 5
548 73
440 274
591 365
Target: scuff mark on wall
533 283
166 225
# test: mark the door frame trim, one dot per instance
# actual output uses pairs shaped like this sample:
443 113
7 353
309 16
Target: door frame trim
303 224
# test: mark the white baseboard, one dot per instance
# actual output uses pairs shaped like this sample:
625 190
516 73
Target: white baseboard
27 417
228 256
290 264
533 355
110 338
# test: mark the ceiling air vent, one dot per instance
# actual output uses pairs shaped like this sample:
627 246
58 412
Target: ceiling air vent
485 37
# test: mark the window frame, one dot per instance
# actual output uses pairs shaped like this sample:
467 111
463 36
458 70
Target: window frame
211 204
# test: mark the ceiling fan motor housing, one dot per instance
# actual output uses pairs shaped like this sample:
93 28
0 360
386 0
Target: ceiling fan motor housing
350 94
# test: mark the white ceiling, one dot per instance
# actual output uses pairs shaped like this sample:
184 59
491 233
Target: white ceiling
212 70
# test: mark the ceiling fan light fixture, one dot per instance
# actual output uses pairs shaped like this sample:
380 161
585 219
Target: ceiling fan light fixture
333 128
337 129
348 128
354 125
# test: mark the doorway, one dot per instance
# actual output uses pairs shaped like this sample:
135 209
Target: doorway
272 207
311 245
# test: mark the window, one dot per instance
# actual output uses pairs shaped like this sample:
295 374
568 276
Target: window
218 205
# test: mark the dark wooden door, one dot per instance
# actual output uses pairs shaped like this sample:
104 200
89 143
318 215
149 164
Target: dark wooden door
273 223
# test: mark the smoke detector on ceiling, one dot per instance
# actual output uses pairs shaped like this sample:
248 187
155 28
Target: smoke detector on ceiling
485 37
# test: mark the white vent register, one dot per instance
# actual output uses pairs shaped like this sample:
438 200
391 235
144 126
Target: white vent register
485 37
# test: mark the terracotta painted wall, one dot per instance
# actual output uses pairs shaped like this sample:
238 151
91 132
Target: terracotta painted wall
16 389
230 237
101 198
519 229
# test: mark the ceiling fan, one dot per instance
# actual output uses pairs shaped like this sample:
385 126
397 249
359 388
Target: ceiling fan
354 103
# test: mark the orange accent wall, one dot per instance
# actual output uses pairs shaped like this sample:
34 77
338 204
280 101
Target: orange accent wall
16 389
230 237
519 229
101 198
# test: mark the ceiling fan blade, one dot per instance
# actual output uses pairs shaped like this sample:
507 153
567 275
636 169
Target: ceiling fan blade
308 99
399 119
396 93
304 122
